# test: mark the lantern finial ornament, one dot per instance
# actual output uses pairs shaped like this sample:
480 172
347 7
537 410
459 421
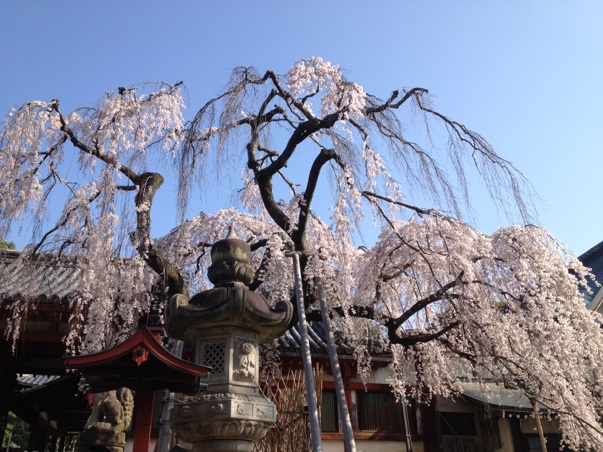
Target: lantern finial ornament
230 262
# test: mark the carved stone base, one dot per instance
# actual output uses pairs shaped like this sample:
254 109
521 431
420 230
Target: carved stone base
224 445
223 422
99 439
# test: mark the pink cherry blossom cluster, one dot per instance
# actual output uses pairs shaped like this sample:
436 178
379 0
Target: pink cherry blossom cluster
312 76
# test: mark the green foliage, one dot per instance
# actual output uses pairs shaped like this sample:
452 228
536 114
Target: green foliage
20 431
4 245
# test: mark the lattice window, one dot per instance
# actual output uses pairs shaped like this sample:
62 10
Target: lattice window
379 412
213 356
329 421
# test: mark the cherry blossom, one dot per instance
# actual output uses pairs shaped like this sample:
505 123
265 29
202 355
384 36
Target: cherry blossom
447 300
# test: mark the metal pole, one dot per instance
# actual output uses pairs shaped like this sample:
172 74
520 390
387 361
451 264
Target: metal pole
165 430
342 406
538 424
407 426
307 359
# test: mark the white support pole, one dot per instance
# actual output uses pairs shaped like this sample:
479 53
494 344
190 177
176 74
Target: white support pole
342 405
306 357
538 424
407 426
10 440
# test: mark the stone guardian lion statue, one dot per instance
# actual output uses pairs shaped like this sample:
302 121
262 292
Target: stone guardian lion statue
111 416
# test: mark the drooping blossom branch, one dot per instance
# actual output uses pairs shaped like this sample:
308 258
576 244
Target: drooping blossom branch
446 300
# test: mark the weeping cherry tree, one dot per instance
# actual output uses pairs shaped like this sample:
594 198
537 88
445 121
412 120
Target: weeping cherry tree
448 300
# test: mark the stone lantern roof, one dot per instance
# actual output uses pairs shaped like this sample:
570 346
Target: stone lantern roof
230 302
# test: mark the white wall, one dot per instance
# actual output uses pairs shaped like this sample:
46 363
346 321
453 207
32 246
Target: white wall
371 446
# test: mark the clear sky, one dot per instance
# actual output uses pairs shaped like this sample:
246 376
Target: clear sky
527 75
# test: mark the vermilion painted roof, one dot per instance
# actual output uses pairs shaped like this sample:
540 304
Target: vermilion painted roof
139 363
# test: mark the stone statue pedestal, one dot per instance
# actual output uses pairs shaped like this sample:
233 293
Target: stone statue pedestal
106 440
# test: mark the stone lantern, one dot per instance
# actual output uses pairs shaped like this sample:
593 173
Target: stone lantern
227 324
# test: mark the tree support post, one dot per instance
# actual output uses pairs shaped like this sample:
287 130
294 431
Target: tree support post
306 357
407 426
342 406
538 424
165 430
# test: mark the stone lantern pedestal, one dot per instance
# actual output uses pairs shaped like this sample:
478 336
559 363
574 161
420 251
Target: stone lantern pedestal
227 324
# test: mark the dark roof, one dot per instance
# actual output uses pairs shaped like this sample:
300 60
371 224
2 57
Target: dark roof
34 381
59 399
496 395
290 342
46 278
593 259
42 277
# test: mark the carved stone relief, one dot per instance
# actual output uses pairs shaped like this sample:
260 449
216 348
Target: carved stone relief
245 361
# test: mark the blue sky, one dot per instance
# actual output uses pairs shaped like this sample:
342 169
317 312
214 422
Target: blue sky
528 76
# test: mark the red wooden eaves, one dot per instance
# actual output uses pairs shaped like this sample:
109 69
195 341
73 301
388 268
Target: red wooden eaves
143 341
